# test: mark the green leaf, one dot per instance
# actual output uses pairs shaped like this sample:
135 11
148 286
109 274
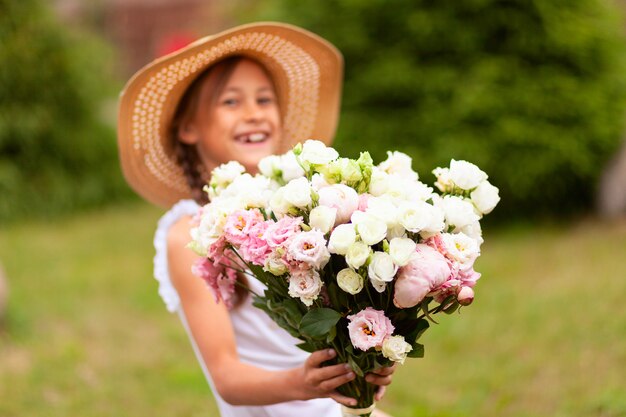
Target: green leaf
331 334
355 367
318 322
417 352
307 347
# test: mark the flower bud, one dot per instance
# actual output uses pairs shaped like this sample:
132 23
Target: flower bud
465 296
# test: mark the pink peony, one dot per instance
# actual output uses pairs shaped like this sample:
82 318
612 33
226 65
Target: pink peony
238 225
465 296
219 277
278 232
363 200
369 328
426 271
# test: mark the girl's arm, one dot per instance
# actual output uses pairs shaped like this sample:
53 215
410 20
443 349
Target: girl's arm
236 382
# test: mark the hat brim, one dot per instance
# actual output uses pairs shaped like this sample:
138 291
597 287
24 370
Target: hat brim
307 72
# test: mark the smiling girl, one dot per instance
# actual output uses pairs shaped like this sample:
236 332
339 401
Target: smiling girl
241 95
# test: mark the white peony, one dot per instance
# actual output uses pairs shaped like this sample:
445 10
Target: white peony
401 249
485 197
370 229
350 281
466 175
305 285
395 348
298 192
322 218
357 254
315 152
342 237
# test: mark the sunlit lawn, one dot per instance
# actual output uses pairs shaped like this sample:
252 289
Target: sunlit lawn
86 333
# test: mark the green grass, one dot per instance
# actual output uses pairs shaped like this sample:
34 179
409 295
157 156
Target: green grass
86 334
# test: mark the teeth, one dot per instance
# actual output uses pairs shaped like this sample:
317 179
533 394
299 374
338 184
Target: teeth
257 137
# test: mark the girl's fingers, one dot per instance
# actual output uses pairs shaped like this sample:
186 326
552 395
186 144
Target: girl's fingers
379 393
332 383
378 380
385 370
318 357
342 399
332 371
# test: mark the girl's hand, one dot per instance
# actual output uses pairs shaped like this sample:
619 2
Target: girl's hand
381 377
319 381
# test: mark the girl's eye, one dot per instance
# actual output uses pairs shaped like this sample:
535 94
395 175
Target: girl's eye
229 102
265 100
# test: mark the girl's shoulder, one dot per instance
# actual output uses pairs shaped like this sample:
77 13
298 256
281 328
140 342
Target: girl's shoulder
172 231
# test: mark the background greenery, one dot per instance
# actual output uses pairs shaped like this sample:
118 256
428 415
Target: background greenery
57 154
533 91
86 333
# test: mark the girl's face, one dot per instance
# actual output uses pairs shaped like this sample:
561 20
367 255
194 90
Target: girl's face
243 124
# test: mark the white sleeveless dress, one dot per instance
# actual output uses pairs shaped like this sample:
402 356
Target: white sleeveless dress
260 341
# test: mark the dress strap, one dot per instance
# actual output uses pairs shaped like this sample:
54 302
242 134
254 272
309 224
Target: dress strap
161 269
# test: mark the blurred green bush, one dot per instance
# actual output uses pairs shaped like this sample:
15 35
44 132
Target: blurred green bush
56 152
533 91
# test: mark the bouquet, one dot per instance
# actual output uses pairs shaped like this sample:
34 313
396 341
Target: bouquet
353 256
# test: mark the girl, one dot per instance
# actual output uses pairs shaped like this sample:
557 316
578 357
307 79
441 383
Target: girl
241 95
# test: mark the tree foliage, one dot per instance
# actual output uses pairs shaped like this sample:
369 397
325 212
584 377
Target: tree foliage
56 153
533 91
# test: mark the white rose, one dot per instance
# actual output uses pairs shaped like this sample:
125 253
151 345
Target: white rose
305 285
474 231
395 348
269 166
318 181
275 265
310 248
370 229
414 216
226 173
341 197
357 254
382 267
466 175
457 211
290 167
298 192
342 237
401 249
462 248
379 182
485 197
382 209
278 203
400 164
350 281
444 183
322 218
316 153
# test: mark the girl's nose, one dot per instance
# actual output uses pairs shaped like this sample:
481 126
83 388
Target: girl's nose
254 112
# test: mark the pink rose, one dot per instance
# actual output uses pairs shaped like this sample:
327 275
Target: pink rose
426 271
369 328
279 232
219 277
341 197
254 247
238 224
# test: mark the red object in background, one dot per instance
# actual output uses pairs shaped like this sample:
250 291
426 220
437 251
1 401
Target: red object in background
173 42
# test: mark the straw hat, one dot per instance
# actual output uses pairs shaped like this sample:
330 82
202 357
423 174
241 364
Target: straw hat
307 72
